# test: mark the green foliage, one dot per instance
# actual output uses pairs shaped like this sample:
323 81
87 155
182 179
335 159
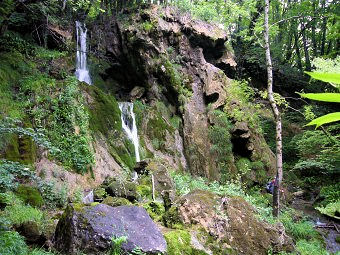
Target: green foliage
330 193
58 115
52 195
11 243
326 77
243 109
30 195
179 243
325 119
333 79
177 81
148 26
18 213
68 128
318 151
324 97
302 229
12 173
331 209
307 247
117 243
185 183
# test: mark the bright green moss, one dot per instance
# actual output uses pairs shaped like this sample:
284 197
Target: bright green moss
30 195
155 210
145 191
179 243
116 201
104 111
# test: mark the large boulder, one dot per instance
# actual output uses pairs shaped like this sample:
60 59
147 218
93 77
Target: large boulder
125 189
90 229
232 223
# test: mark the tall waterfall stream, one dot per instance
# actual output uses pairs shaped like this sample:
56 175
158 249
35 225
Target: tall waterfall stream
82 71
130 127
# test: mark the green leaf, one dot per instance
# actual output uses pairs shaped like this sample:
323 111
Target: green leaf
328 118
326 77
325 97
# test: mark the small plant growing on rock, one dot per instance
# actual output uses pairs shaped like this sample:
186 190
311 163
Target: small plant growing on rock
117 243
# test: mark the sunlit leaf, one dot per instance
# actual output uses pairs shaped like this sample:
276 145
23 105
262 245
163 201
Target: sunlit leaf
326 77
328 118
325 97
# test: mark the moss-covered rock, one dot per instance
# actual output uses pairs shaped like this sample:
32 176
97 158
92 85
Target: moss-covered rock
20 149
125 189
171 218
179 243
99 193
104 111
30 195
155 210
116 201
232 222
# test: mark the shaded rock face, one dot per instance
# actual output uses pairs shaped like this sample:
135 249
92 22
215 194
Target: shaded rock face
231 221
176 60
89 229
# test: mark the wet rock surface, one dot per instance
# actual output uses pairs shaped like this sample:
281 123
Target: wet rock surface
90 228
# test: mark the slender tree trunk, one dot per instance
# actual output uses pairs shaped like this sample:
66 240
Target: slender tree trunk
276 193
315 51
305 48
289 45
323 30
297 50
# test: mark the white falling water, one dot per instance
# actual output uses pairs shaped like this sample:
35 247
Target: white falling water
82 72
129 125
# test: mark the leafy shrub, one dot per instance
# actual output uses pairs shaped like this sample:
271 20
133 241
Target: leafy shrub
10 172
330 193
53 196
244 109
11 243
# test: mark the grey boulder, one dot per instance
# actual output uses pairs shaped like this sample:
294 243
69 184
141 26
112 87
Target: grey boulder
90 229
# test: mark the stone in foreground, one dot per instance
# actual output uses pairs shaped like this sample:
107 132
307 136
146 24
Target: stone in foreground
90 228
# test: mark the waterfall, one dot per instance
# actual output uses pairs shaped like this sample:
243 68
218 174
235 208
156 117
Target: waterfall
129 125
82 72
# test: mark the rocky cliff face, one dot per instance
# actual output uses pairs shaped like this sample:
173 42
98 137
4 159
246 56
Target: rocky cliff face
169 63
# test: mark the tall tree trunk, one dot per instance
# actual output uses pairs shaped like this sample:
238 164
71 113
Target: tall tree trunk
315 48
323 29
305 48
277 115
289 44
297 50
